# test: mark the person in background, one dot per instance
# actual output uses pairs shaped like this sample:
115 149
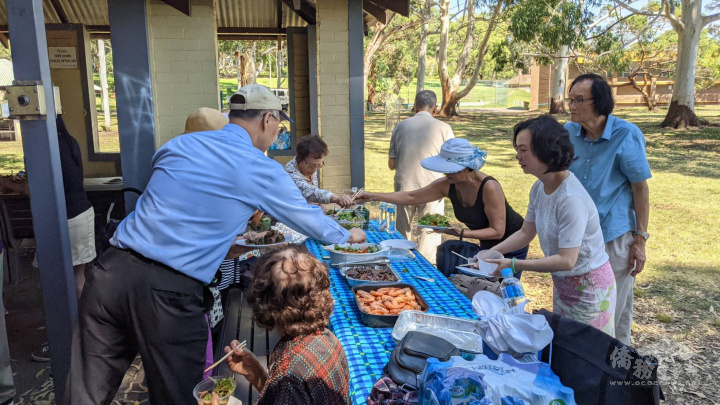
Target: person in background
80 213
413 140
303 169
7 388
564 218
612 166
290 293
146 293
477 199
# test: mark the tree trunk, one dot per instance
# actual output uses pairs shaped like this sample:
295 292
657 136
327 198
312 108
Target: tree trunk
450 88
557 97
681 113
422 54
278 64
643 91
104 83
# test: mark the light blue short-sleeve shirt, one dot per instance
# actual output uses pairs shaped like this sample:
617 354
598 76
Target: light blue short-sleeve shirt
606 167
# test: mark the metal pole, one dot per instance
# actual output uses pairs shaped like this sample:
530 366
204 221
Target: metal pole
42 163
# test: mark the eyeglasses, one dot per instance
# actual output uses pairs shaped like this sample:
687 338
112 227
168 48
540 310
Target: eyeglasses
577 101
314 166
282 129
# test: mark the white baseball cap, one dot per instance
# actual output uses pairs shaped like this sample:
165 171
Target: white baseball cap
256 97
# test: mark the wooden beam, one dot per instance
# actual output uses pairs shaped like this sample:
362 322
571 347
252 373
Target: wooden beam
278 6
59 11
244 30
4 40
98 28
248 37
306 11
401 7
375 11
182 6
297 4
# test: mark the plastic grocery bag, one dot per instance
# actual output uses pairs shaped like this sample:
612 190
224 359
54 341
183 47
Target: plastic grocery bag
508 332
483 381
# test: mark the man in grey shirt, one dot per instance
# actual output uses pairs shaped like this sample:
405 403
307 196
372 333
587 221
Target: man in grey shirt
413 140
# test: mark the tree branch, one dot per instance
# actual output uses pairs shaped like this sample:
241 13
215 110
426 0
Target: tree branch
677 25
709 19
633 10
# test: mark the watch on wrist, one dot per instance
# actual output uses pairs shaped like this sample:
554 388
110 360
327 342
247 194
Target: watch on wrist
644 234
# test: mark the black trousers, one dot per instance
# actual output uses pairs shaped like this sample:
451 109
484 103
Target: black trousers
129 305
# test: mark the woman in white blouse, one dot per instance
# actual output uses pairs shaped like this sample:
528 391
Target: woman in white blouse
564 218
303 169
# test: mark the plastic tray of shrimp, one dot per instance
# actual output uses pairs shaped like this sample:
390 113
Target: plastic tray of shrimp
381 304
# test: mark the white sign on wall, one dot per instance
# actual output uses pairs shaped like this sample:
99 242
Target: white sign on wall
63 57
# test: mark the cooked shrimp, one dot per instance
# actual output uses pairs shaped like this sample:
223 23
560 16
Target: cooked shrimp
378 307
396 303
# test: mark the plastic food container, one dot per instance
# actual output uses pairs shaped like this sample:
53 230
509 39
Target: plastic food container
385 321
353 281
342 257
458 331
207 385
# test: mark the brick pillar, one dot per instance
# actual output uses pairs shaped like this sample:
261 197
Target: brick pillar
183 56
540 86
334 91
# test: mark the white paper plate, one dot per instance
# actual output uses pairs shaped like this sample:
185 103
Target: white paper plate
485 270
288 239
399 243
437 228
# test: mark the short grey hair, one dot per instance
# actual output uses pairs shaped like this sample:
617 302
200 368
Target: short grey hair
425 99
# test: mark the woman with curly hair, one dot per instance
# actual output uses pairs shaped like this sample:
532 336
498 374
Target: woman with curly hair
290 292
564 218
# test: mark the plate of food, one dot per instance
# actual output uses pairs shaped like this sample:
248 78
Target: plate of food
434 221
224 387
380 304
485 269
354 252
358 274
264 239
399 243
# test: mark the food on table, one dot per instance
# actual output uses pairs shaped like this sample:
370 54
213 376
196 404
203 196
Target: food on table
223 387
266 238
387 300
332 211
351 225
348 216
434 220
350 249
370 273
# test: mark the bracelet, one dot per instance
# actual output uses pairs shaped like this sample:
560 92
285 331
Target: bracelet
462 232
512 265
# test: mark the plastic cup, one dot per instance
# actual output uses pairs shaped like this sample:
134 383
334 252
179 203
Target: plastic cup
207 385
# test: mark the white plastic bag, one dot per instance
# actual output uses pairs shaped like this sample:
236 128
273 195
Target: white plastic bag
507 332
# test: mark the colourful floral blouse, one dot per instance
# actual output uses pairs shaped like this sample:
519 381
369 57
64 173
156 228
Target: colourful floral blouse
309 189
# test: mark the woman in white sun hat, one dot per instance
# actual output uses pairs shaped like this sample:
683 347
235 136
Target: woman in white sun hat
477 198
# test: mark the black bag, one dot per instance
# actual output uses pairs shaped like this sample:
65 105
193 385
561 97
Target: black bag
408 358
599 368
106 232
446 261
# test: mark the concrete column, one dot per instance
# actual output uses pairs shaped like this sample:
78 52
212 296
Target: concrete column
334 91
183 57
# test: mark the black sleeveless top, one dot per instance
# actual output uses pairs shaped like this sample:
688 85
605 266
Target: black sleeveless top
474 217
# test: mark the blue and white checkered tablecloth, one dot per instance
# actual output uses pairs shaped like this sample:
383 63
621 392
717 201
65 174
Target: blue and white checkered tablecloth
368 349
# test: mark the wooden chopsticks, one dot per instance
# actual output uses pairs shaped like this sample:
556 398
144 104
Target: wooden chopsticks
240 346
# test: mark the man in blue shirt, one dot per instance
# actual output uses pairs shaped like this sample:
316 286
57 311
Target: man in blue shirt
146 293
612 165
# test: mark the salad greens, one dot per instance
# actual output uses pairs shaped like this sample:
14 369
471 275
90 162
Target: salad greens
434 220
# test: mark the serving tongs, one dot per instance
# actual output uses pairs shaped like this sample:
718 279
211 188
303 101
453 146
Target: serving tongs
383 260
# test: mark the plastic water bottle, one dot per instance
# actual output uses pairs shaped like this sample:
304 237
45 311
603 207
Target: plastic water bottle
512 290
383 216
391 216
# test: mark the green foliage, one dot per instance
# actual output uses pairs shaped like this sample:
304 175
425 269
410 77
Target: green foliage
552 23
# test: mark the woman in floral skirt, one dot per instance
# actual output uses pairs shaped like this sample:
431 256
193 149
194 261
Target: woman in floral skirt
564 218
